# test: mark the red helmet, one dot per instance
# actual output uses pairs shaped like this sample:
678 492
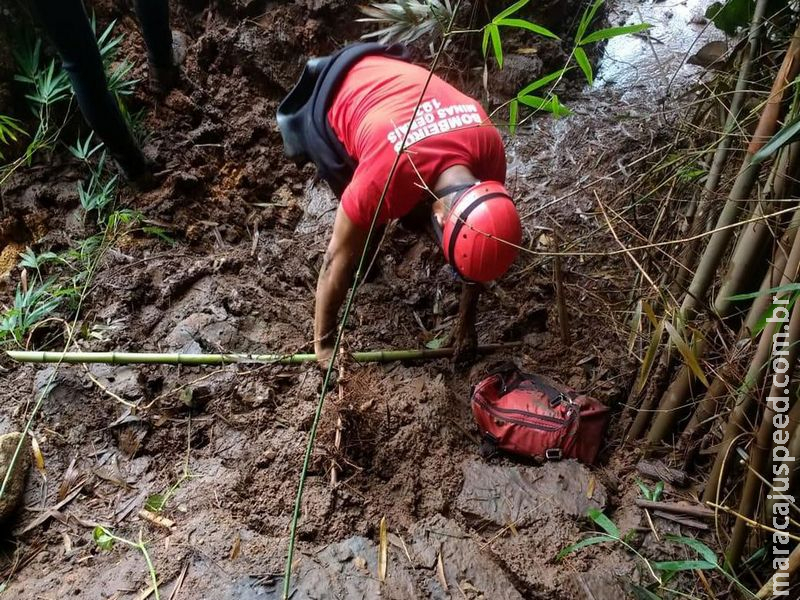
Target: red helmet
482 232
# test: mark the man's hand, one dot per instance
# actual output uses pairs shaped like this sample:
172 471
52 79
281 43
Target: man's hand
464 338
335 278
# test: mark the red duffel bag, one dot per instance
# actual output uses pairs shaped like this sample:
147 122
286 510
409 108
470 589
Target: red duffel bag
533 416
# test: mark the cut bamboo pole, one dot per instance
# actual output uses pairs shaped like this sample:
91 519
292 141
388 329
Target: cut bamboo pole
147 358
744 400
759 452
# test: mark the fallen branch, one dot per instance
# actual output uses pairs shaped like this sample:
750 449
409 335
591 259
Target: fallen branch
676 509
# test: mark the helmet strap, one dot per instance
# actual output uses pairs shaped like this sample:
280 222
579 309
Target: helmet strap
462 220
451 189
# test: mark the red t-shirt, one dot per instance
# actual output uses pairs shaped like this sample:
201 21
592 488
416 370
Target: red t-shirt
369 115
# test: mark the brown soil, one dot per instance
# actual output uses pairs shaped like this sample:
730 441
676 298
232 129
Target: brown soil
241 278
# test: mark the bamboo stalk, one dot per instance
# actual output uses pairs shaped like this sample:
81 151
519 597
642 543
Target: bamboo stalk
148 358
721 153
747 261
794 565
743 185
759 452
744 400
708 406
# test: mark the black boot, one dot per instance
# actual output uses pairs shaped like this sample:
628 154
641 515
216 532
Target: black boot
164 79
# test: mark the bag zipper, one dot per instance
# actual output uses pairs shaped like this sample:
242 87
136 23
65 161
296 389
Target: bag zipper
499 409
497 412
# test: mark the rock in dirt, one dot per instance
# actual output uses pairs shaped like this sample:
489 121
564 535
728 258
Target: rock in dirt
466 567
16 484
523 495
349 569
595 585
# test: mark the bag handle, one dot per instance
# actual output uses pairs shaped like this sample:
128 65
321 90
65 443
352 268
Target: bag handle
512 378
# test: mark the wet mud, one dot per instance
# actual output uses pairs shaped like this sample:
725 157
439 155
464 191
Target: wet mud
249 230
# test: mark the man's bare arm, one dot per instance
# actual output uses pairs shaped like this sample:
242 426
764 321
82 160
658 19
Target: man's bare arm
335 278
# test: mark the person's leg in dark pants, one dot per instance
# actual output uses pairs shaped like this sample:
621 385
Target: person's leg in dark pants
153 17
68 28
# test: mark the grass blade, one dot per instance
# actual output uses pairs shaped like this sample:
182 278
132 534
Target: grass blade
603 521
590 541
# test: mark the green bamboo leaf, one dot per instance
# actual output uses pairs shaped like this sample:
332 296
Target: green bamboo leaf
605 34
557 108
584 64
102 538
552 105
155 502
641 593
485 44
535 102
541 82
523 24
649 357
586 20
510 10
686 352
789 287
658 491
591 541
672 566
497 47
651 315
513 116
648 495
707 553
788 134
603 521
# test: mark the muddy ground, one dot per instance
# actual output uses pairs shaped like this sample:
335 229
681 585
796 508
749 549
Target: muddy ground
249 231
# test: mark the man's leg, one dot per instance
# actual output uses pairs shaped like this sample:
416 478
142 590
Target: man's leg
464 338
153 17
68 28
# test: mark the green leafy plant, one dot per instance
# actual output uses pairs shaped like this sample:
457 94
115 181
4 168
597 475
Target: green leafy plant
105 540
654 495
48 86
32 303
491 32
157 502
96 196
549 102
9 130
117 71
83 151
660 571
792 289
406 20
